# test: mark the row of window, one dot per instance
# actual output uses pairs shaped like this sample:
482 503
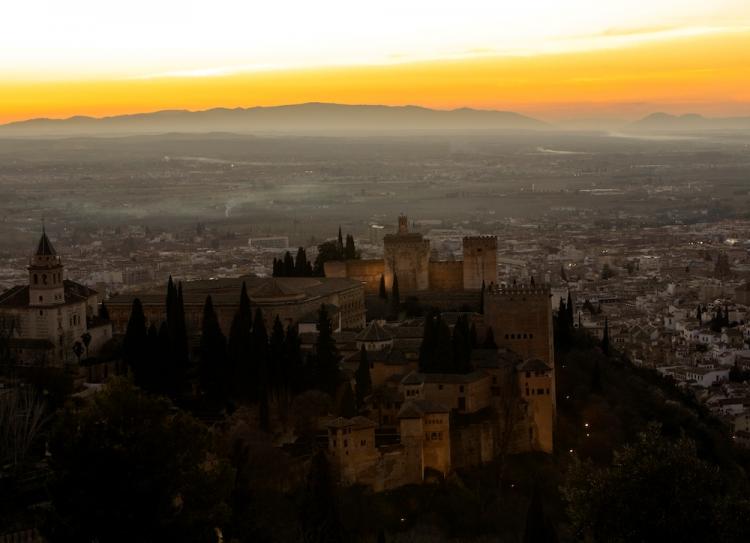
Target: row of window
56 278
519 336
539 392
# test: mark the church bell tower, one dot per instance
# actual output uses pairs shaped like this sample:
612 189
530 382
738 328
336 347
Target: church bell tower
45 275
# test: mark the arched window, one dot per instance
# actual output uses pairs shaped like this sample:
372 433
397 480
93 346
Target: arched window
36 279
44 278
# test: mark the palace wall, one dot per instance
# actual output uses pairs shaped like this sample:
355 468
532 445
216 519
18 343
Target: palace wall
446 276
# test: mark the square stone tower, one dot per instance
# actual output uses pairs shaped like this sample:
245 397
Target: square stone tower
407 255
521 321
480 261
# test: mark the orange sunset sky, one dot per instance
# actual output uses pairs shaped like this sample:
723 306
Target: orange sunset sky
549 59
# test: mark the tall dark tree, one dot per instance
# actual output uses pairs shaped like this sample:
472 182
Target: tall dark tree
443 347
213 369
300 263
382 292
481 298
288 265
347 407
135 345
104 312
294 369
262 373
539 527
327 251
279 377
239 348
164 373
395 297
461 341
340 245
699 314
362 378
145 455
429 344
350 251
320 513
605 337
326 359
179 342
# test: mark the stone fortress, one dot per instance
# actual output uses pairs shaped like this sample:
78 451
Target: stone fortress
407 256
505 404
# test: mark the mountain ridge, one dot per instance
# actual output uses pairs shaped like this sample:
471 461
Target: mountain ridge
311 116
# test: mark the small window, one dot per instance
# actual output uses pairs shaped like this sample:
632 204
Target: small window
363 443
506 336
528 374
461 388
36 279
41 298
346 443
531 336
440 387
540 391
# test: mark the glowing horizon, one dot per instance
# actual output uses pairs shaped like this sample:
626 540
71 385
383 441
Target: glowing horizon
547 58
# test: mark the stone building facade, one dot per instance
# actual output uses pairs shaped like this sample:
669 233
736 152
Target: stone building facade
292 299
407 255
45 318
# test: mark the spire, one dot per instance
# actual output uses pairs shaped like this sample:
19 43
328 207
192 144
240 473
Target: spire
45 248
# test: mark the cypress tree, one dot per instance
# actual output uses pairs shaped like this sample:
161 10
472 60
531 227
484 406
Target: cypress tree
350 251
154 362
104 312
300 264
239 347
481 298
462 345
260 358
326 355
212 371
277 269
539 528
179 342
395 297
347 403
362 378
164 372
294 370
320 516
443 347
427 347
605 337
382 292
134 345
288 265
340 246
279 378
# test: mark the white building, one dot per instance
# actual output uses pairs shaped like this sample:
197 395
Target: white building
44 319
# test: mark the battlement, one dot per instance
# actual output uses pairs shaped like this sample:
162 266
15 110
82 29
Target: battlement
519 290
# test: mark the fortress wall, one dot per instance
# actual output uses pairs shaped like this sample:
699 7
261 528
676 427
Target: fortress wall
480 261
446 276
366 271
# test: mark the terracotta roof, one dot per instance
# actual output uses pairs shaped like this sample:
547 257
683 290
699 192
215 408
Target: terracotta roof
18 296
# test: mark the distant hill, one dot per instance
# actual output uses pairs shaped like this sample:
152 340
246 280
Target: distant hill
311 117
691 121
